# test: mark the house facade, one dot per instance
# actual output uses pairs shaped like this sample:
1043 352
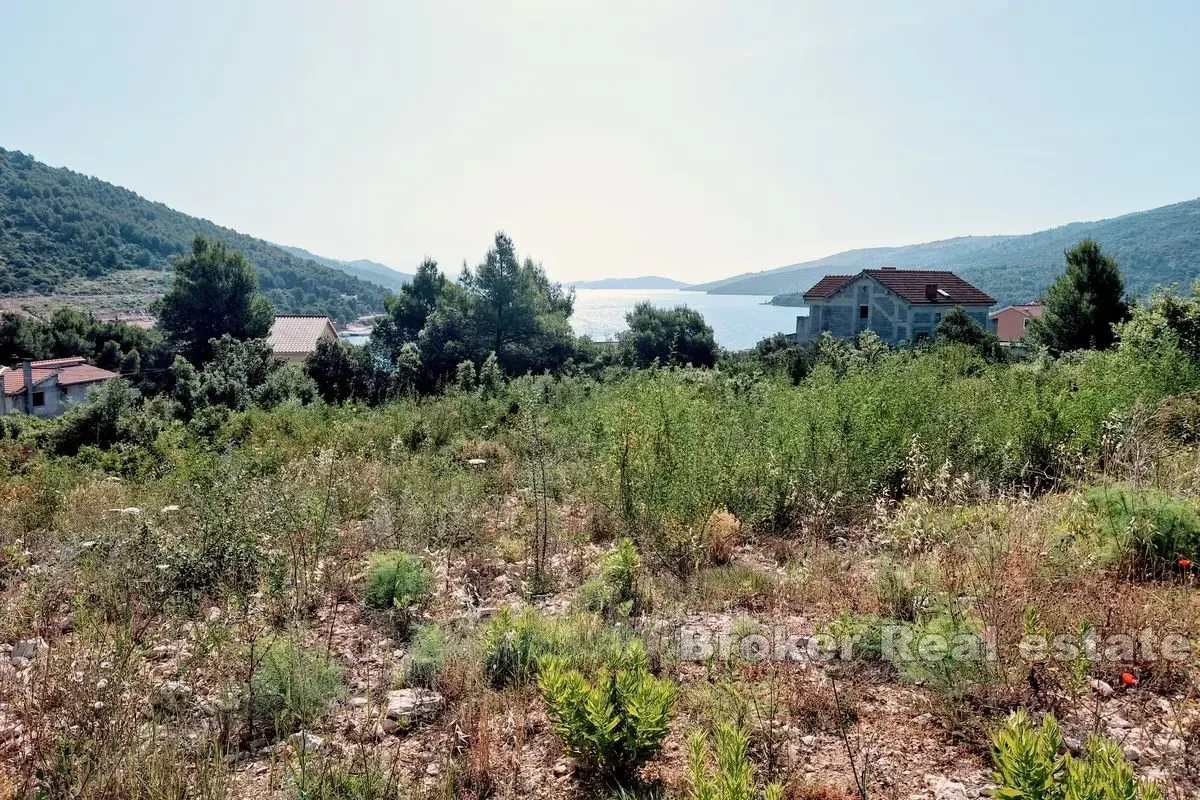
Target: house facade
47 388
900 305
1011 322
294 337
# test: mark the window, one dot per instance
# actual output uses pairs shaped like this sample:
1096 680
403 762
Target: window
1026 321
937 317
863 311
39 399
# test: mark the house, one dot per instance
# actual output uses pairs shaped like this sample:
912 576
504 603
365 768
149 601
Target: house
898 304
1011 322
294 336
47 388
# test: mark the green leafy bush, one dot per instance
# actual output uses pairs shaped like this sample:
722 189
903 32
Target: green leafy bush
614 724
733 777
397 580
1152 528
1029 766
291 686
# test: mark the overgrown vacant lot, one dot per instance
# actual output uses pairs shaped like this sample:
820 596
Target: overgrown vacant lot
575 587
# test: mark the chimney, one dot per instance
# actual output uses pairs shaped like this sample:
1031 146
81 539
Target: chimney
931 292
27 367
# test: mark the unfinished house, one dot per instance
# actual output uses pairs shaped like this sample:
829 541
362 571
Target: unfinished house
900 305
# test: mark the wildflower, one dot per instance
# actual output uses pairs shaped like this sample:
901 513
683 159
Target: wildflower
1183 562
1129 679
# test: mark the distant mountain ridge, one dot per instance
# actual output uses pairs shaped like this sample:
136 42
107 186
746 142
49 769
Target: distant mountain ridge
363 269
67 234
643 282
1155 247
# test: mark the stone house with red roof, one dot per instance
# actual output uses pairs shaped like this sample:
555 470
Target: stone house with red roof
47 388
900 305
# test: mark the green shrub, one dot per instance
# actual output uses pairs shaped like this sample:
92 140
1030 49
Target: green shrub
618 588
733 777
615 724
397 580
291 687
426 653
512 645
1153 529
1029 766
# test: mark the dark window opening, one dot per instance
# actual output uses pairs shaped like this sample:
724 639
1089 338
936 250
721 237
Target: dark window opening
863 311
39 399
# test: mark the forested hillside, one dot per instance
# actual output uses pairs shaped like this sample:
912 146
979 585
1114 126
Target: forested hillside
1155 247
364 269
59 228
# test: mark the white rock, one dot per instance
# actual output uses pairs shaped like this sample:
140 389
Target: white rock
1100 687
304 742
476 463
946 789
213 614
169 509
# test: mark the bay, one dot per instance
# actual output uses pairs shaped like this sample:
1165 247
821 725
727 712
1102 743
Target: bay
738 321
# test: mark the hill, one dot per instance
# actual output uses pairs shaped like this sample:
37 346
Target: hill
644 282
363 269
1155 247
92 243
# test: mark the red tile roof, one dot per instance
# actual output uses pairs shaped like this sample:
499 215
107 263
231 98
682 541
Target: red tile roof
827 286
70 371
298 333
1032 310
911 284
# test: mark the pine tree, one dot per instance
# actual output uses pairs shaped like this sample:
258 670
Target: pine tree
1084 303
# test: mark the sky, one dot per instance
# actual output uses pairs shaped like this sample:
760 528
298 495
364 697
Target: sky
690 139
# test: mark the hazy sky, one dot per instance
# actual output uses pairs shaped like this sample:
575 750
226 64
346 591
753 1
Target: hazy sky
617 137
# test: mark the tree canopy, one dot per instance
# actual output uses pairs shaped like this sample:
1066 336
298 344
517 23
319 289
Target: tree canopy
214 293
1084 303
504 306
675 336
959 327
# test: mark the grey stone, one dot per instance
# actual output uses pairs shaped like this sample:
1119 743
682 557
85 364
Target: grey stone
304 742
1100 687
413 705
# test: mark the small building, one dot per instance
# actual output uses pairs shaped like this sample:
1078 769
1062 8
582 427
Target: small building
294 337
897 304
47 388
1011 322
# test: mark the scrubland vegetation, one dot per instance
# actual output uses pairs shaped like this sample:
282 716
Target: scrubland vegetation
575 584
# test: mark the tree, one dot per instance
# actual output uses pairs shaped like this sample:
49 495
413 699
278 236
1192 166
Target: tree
1084 304
959 327
214 293
676 336
406 313
1169 319
343 371
514 311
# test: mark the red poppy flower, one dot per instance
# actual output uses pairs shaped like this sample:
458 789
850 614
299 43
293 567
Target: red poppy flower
1129 679
1183 562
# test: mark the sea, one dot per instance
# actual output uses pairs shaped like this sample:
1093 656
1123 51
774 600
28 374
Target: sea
738 321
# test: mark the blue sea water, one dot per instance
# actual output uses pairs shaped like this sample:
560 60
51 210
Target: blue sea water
738 320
